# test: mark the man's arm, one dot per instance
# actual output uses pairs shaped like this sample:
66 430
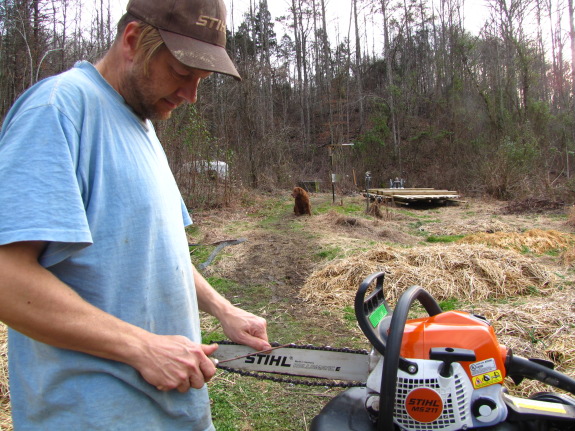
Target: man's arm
37 304
239 325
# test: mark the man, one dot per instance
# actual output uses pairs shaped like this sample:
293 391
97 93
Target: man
95 276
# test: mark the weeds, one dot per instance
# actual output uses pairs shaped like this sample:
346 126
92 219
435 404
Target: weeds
444 238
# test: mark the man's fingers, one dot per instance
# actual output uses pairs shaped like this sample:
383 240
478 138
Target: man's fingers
189 366
208 368
256 343
197 381
184 386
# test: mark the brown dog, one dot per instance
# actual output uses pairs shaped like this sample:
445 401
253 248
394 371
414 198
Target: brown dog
302 205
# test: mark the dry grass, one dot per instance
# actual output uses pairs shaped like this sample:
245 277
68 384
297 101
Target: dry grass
463 226
568 257
571 216
532 331
534 240
467 272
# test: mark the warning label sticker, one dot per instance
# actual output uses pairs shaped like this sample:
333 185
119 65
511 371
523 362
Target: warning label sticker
483 367
487 379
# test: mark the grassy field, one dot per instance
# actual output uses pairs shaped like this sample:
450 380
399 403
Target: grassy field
300 274
336 235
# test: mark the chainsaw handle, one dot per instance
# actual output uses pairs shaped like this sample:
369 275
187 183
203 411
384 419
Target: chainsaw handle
374 305
393 359
371 312
518 367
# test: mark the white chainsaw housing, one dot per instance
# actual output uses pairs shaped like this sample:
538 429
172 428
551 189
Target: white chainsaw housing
461 405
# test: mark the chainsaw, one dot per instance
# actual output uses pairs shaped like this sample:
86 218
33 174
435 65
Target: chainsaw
443 372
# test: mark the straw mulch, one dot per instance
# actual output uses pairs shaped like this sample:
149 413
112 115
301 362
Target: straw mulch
469 272
534 240
537 327
460 226
5 420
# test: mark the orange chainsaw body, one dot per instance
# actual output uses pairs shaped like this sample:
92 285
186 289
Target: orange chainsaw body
453 329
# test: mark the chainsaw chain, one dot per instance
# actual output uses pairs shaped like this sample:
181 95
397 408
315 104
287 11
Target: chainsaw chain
298 381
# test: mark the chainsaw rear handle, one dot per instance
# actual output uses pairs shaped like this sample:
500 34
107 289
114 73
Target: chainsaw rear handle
518 367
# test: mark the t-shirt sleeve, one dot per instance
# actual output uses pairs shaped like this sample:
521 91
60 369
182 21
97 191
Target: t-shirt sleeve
40 196
186 215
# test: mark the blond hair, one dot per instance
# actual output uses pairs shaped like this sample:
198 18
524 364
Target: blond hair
149 42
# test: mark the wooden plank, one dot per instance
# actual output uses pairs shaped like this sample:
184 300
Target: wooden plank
408 188
423 190
424 197
406 199
405 192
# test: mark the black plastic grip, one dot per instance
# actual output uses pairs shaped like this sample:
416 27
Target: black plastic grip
518 367
364 308
393 359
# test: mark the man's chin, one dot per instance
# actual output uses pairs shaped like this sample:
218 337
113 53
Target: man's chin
162 116
158 115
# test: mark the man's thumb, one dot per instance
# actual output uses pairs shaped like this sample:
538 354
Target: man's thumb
209 348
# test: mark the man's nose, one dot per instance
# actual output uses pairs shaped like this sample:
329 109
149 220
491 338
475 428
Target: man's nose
189 90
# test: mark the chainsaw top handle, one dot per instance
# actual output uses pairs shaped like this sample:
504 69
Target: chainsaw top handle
373 313
374 316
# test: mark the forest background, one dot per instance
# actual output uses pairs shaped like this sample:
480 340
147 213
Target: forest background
420 96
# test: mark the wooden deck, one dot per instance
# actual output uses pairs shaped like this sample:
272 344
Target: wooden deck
413 195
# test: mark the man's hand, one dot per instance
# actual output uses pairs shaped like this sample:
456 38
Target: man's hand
174 362
245 328
239 325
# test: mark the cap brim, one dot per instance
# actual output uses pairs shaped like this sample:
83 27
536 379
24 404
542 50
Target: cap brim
199 55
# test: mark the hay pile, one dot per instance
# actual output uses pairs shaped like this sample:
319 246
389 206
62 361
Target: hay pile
469 272
5 420
534 240
459 226
548 333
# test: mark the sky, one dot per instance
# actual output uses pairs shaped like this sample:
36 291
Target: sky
338 12
338 19
342 8
476 13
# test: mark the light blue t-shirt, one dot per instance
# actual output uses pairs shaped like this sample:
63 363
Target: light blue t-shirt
80 170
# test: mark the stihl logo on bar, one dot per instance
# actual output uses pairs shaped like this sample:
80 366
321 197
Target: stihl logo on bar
271 360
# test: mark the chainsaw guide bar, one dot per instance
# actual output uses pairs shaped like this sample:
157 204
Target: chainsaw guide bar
332 367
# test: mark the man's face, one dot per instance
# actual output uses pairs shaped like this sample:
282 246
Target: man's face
168 84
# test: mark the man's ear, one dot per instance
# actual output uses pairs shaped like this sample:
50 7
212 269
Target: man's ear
130 39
